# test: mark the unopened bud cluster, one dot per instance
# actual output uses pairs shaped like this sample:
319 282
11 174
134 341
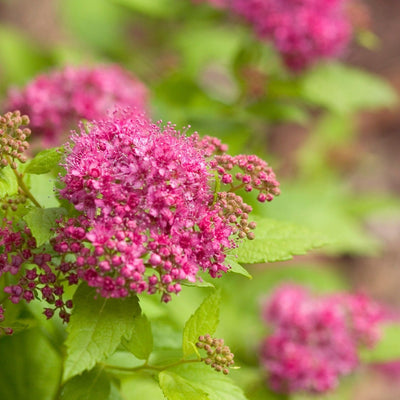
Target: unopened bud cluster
211 145
13 202
218 356
255 175
236 212
13 138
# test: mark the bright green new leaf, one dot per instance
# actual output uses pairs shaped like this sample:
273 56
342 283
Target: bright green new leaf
343 89
236 268
140 343
96 328
30 367
204 320
141 385
91 385
387 349
45 161
8 182
201 284
215 384
41 221
277 241
175 387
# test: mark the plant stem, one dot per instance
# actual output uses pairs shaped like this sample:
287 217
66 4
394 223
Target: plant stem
150 367
25 189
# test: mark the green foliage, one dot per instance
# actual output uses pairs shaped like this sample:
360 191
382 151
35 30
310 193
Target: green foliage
277 241
154 8
387 349
43 189
175 387
236 268
30 367
141 386
216 385
8 182
96 328
41 221
140 344
345 90
204 320
94 384
45 161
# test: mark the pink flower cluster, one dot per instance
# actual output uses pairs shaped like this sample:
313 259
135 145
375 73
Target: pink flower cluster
56 101
148 211
314 340
303 31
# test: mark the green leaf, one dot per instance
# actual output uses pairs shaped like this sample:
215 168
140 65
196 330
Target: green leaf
204 320
33 368
141 386
201 284
153 8
215 384
140 343
236 268
44 190
45 161
344 90
8 182
277 241
175 387
41 221
96 328
91 385
388 347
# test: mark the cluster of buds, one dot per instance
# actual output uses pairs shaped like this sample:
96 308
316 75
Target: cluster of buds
13 138
236 212
3 330
255 175
218 356
13 202
211 145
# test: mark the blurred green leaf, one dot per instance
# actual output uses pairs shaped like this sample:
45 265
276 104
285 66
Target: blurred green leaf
33 368
204 320
344 89
175 387
236 268
277 241
8 182
91 385
153 8
388 347
140 344
96 328
141 386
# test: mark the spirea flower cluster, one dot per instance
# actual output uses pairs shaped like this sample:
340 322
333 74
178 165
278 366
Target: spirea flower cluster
149 217
56 101
314 340
303 31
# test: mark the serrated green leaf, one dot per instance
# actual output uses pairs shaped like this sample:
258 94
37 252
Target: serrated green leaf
8 182
41 221
45 161
343 89
33 369
96 328
175 387
277 241
215 384
236 268
91 385
204 320
43 189
388 347
140 343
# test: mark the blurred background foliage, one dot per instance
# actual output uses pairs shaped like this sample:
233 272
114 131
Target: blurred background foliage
206 70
